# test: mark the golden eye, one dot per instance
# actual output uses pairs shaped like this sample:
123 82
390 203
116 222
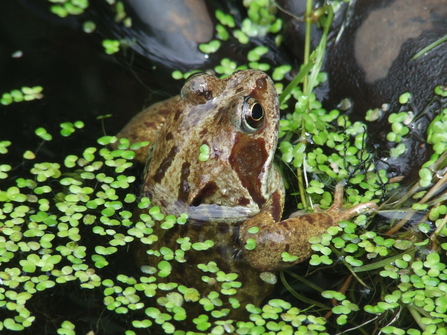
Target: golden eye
252 115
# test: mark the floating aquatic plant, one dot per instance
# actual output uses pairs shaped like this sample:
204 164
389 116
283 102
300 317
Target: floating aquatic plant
66 222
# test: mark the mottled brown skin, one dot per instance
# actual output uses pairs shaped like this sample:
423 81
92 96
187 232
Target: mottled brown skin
145 126
237 188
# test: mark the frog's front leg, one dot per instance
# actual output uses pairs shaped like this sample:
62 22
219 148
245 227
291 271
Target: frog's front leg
292 235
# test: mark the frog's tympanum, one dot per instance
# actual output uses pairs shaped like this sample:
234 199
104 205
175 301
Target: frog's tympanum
235 196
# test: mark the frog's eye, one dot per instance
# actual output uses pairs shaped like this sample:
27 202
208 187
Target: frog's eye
252 115
199 88
195 74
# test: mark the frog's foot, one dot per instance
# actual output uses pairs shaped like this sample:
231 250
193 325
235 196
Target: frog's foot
317 209
337 211
338 197
276 240
340 214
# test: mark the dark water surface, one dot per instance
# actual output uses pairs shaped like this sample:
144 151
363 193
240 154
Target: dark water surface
80 82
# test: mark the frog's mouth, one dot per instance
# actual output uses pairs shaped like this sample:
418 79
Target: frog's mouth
211 212
201 212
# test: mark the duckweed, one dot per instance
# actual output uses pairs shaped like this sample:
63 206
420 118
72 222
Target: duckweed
210 47
24 94
47 216
63 8
111 46
204 153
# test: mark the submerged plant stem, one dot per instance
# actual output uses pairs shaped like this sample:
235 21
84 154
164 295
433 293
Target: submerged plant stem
434 236
427 197
430 47
299 296
305 281
416 316
434 189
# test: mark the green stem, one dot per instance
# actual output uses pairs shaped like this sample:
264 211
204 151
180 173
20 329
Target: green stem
299 296
309 80
321 49
304 70
429 47
416 316
305 281
302 187
382 263
308 20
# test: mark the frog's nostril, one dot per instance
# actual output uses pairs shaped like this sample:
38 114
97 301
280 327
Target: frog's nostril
260 83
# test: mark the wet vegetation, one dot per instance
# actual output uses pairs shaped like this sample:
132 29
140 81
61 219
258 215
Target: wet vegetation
67 232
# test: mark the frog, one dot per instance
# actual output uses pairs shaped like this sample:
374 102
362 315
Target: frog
234 196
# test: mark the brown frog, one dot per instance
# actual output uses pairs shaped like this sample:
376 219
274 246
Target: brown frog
234 197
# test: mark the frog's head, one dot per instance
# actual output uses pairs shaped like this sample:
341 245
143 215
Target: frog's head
237 118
